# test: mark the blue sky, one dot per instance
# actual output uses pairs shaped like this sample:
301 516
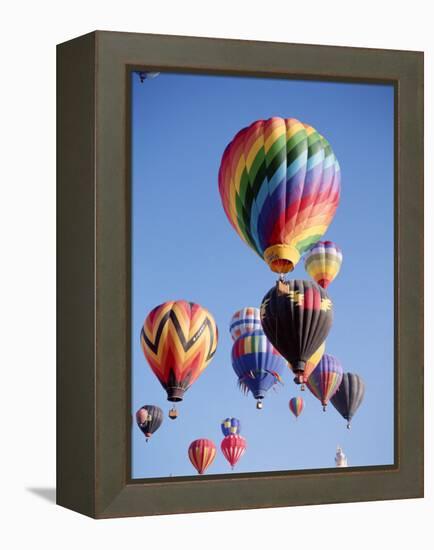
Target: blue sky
184 248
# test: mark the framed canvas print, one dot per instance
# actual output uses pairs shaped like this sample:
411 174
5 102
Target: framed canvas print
240 274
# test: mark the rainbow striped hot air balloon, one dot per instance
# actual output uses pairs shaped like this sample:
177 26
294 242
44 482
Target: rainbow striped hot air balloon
325 379
323 262
202 454
296 406
279 183
179 339
245 320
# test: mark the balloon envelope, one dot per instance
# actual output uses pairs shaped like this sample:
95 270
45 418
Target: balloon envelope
325 379
297 316
296 406
323 262
257 363
349 395
179 339
230 426
202 454
149 418
233 447
279 182
245 320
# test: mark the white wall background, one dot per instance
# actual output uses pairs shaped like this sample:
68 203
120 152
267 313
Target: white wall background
29 32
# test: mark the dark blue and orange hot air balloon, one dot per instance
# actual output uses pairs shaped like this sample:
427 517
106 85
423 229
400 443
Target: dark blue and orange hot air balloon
201 453
279 184
230 426
179 339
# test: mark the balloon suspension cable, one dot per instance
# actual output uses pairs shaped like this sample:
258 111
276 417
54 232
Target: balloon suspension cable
303 387
147 439
282 278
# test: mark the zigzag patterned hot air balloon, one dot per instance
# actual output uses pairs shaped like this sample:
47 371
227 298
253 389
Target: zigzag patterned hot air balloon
149 418
257 364
233 447
279 183
202 454
311 364
296 406
325 379
323 262
297 316
230 426
349 396
245 320
179 339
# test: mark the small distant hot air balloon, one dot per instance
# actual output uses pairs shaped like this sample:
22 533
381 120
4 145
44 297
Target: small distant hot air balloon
179 340
146 75
297 316
230 426
340 459
323 262
349 396
311 364
149 418
296 406
257 364
325 379
245 320
202 454
279 183
233 447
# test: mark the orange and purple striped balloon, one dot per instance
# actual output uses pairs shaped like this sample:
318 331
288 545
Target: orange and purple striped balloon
325 379
279 184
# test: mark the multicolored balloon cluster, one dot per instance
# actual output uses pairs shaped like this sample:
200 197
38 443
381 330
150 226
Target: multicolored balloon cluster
279 183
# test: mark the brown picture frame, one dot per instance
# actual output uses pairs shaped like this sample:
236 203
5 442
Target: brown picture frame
93 363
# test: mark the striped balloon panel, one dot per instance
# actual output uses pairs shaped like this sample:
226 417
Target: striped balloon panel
323 262
310 365
244 321
349 395
279 183
296 405
202 454
233 447
179 339
325 379
230 426
255 342
256 363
